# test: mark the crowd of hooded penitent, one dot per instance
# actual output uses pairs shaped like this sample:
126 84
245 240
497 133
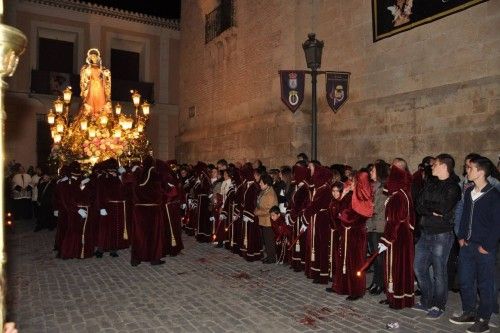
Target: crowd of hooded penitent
313 218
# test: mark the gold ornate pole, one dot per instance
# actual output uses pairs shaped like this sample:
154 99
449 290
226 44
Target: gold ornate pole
12 45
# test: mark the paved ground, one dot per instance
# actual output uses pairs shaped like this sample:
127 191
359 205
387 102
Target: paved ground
203 290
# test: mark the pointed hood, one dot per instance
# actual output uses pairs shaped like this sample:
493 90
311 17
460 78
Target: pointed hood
362 198
300 173
398 179
321 175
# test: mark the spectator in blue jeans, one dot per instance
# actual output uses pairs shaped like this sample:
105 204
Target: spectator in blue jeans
478 236
435 205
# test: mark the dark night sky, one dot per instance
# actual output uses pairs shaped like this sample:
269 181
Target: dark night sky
170 9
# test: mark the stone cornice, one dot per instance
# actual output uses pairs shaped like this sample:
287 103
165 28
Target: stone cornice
84 7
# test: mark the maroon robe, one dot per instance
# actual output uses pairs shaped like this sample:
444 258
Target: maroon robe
60 194
236 227
79 239
353 240
224 230
334 209
282 237
112 230
204 225
317 217
148 240
171 206
299 201
250 229
398 237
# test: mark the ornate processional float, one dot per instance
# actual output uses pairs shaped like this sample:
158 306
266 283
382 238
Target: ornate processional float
97 132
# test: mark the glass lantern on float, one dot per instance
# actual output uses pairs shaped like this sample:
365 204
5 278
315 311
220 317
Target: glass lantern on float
97 131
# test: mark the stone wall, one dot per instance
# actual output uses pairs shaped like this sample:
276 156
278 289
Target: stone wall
428 90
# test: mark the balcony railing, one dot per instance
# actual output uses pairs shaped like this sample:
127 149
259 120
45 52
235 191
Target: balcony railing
53 83
219 20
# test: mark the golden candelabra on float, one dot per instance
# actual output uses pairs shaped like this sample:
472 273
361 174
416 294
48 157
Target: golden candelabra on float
96 135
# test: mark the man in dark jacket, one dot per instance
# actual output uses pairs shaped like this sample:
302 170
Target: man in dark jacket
478 235
436 204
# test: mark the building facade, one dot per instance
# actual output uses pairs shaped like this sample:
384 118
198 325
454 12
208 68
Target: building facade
59 32
428 90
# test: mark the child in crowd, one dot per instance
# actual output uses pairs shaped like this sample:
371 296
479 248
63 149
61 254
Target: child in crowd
282 234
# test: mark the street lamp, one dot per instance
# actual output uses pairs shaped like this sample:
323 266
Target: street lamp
313 49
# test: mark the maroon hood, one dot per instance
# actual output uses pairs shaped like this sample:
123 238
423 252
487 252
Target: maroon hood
362 199
398 179
300 173
321 175
246 172
200 168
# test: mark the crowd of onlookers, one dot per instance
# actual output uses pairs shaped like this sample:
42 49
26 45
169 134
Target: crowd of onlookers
435 227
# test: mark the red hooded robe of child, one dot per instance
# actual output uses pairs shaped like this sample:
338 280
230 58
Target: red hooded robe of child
398 237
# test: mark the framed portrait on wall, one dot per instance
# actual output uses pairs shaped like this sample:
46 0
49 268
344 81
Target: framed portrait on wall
391 17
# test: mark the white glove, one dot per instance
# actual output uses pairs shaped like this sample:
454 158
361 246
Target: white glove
235 217
288 219
103 212
282 208
210 196
83 213
190 203
303 228
282 193
222 217
381 247
121 170
183 206
247 219
212 219
134 168
56 213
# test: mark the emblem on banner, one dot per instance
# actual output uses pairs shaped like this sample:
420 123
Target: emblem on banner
292 88
292 80
337 89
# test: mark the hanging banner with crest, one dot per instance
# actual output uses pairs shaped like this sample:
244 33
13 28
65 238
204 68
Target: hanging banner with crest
337 89
292 88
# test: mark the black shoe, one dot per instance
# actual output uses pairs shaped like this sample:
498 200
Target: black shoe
297 269
135 263
219 245
329 290
376 291
418 292
455 290
373 285
317 281
384 301
269 261
157 262
113 254
480 326
98 254
464 318
353 298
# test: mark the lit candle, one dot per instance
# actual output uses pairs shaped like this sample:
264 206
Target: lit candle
145 108
92 132
51 118
118 109
83 124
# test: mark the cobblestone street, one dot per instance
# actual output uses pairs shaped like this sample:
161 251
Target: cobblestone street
203 290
